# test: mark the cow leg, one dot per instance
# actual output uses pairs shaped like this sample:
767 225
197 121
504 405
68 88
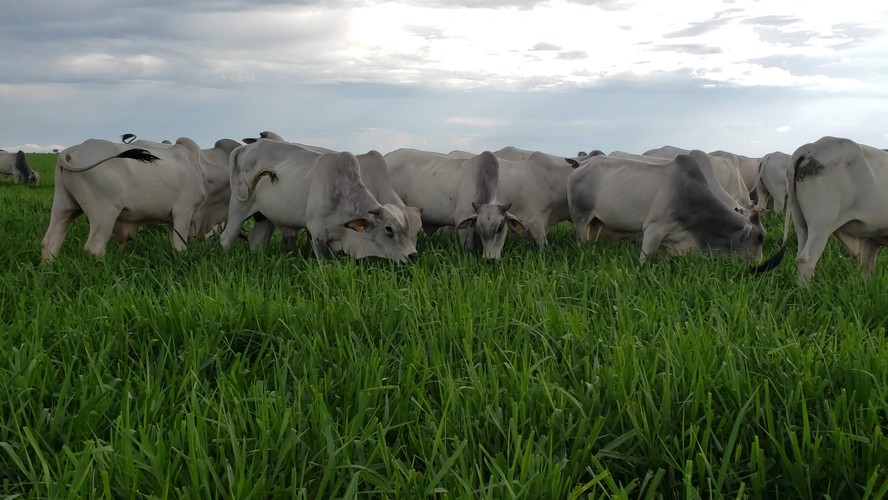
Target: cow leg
582 229
650 241
101 226
261 234
467 238
809 254
59 222
320 247
537 231
238 212
179 229
868 251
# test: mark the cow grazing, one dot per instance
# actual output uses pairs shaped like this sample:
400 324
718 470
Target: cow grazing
294 187
726 170
835 187
457 192
669 204
374 174
705 163
535 185
117 191
770 187
16 165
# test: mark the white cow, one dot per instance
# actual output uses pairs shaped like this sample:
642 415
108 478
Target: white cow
726 171
455 192
16 165
770 187
535 186
516 154
705 163
669 204
294 187
213 212
835 187
748 167
112 183
374 174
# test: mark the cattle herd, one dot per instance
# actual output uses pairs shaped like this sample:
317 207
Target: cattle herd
372 205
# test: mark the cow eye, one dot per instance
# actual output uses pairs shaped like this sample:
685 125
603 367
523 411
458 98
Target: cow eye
389 231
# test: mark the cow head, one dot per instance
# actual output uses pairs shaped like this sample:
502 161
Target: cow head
749 241
414 222
490 222
382 232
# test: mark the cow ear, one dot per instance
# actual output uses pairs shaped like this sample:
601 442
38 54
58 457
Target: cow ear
249 140
573 163
515 224
468 222
360 225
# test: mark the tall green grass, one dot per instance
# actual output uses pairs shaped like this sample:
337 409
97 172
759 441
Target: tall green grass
563 373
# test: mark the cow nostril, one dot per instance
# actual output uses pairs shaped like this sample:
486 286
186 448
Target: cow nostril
414 256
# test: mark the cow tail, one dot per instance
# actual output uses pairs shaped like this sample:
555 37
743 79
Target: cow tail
787 220
138 154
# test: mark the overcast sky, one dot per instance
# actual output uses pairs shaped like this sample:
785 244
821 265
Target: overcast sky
559 76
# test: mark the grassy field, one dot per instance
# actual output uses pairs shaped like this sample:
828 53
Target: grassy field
563 373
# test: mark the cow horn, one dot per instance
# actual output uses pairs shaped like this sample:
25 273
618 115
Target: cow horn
507 206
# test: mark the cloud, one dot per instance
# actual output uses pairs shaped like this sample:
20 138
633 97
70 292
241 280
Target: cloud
573 55
782 129
427 32
470 121
699 28
690 48
772 20
545 46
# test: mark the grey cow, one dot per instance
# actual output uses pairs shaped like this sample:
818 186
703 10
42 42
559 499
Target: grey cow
670 204
16 165
294 187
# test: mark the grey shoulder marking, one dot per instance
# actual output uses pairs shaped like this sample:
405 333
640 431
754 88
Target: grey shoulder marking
697 209
488 177
21 165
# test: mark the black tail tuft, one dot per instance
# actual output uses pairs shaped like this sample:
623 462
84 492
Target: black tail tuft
139 154
128 138
770 263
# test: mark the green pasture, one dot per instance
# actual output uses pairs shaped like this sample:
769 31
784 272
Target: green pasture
563 373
